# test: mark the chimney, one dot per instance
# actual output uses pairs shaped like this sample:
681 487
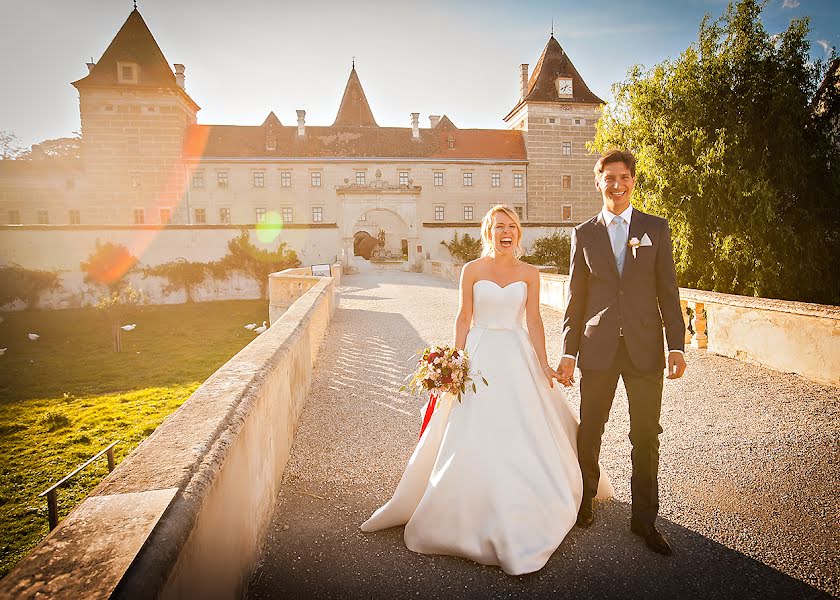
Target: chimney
37 152
415 126
179 75
523 80
90 66
434 120
301 114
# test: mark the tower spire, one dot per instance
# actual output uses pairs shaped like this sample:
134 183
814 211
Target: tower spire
552 27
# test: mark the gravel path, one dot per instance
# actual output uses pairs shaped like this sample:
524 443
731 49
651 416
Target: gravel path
748 476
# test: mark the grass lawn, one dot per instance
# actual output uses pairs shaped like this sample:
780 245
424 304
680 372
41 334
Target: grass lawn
66 396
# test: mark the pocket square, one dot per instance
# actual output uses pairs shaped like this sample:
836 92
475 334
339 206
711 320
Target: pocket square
645 241
635 244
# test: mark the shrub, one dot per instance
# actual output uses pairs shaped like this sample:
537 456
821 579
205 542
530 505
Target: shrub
27 285
553 250
55 420
244 256
463 249
181 274
108 265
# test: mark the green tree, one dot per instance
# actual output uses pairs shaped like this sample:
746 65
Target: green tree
108 265
463 249
181 274
731 150
244 256
552 250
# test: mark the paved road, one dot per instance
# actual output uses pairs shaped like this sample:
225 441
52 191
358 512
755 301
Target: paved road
748 480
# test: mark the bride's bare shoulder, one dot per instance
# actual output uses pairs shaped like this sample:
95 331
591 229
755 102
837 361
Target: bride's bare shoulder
530 272
474 267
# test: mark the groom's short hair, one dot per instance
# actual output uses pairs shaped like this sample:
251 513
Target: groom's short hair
614 156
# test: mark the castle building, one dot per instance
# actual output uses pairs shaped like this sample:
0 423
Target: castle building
146 161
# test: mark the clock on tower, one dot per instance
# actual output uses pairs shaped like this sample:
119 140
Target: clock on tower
564 86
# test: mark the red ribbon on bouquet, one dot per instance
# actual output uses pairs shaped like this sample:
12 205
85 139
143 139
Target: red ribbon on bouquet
430 409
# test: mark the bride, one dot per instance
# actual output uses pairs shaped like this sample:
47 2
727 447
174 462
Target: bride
495 478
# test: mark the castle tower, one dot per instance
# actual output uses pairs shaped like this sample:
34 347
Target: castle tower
557 113
134 112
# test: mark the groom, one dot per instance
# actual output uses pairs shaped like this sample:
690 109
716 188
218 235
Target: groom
622 289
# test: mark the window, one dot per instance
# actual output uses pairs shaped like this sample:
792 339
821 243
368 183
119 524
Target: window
468 213
317 214
259 179
567 182
567 213
126 72
567 148
438 178
517 180
287 215
139 216
75 217
451 142
14 217
285 179
270 144
404 178
135 181
579 122
551 119
260 215
200 215
495 179
467 179
198 180
315 178
439 213
519 212
43 217
224 215
165 215
222 178
360 177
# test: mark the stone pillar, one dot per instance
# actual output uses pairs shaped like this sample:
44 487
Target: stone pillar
415 126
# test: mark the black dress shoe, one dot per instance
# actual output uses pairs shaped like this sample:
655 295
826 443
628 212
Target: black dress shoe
585 516
653 539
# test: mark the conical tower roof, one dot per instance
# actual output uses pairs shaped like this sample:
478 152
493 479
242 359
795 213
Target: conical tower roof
555 63
354 110
133 43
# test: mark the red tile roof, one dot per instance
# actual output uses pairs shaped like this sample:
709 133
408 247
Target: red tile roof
237 141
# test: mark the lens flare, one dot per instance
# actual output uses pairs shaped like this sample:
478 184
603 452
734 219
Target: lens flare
270 228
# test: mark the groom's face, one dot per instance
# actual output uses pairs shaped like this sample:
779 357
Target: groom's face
616 186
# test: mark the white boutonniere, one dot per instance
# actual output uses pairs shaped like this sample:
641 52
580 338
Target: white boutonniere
635 243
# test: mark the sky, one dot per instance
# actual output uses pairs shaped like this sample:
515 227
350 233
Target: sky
246 58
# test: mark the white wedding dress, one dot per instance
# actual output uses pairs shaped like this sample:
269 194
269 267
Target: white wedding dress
495 478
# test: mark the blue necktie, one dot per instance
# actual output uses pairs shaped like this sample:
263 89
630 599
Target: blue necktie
619 242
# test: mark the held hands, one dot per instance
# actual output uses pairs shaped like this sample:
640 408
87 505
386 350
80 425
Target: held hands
566 371
551 374
676 365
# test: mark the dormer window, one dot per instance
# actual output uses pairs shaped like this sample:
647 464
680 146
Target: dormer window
128 72
270 144
451 141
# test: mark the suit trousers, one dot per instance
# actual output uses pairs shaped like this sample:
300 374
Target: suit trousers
644 394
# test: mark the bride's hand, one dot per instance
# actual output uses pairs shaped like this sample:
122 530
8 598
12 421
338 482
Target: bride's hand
551 374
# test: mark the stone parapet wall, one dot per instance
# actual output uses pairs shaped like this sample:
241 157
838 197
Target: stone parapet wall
792 337
185 514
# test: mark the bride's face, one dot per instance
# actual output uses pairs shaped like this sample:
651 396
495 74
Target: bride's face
505 234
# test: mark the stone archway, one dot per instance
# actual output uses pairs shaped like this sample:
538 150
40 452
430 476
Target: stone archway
379 234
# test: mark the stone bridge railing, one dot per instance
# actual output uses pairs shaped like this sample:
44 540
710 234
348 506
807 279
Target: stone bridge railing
184 515
793 337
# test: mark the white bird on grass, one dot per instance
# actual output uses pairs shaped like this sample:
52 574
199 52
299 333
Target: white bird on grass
128 327
261 329
33 336
251 326
3 351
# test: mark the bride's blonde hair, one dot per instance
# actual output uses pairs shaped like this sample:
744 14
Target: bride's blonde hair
487 226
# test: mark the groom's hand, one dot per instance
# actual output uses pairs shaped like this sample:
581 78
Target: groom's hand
676 365
567 371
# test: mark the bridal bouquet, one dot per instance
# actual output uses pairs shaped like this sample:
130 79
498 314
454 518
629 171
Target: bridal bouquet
442 369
